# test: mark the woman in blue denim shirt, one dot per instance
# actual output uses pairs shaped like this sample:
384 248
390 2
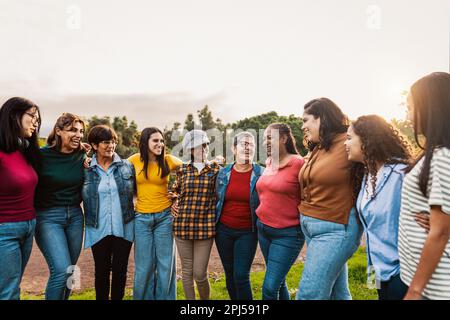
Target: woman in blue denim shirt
237 200
385 154
108 206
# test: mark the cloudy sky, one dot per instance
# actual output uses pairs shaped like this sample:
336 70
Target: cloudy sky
156 61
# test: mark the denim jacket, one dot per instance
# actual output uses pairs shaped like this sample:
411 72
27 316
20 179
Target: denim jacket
124 175
223 179
380 218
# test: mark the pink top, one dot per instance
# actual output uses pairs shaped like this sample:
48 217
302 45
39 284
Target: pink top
18 181
279 194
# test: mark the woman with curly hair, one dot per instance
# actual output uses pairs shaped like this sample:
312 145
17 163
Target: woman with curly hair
385 154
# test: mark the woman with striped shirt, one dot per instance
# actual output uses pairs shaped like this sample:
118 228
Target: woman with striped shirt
425 254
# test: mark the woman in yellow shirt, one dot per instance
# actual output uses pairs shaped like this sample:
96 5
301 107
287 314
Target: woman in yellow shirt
154 253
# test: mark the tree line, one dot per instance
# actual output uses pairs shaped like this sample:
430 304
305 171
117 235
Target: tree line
129 134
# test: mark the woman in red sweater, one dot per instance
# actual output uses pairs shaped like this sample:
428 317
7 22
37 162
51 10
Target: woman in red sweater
237 200
19 127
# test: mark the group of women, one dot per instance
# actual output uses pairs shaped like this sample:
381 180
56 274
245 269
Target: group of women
357 177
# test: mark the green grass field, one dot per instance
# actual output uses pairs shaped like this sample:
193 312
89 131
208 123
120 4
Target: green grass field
357 279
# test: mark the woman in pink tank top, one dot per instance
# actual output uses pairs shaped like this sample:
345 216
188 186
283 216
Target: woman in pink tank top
279 233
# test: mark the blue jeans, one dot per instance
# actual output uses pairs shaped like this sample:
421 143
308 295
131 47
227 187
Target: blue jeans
59 235
16 241
280 248
237 249
154 257
393 289
329 246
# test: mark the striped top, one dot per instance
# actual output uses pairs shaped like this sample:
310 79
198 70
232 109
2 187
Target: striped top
411 238
196 218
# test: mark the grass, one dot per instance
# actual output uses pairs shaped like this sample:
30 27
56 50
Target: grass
357 280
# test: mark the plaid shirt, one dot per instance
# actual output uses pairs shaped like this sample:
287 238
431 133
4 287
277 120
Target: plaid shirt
196 202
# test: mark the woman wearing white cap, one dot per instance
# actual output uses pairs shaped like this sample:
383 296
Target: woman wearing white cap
194 210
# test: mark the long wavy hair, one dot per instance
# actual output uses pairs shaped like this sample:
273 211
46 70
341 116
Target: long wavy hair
11 114
285 130
381 142
332 122
163 167
64 122
431 97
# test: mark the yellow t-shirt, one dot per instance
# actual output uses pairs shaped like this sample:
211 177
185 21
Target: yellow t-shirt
152 192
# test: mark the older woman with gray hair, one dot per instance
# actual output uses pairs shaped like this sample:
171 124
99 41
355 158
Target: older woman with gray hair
195 213
237 200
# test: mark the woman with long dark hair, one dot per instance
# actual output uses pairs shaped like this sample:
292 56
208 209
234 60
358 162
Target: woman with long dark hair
385 154
279 234
425 254
154 249
328 194
59 218
20 121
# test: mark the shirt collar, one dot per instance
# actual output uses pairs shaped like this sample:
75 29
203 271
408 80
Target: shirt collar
94 162
208 164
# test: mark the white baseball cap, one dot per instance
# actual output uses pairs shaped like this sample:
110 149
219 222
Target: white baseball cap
194 139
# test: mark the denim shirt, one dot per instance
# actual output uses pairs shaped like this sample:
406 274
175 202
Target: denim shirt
380 218
124 177
223 179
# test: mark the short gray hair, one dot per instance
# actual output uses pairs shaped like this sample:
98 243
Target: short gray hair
242 135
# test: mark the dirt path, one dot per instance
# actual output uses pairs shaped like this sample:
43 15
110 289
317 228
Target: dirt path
36 272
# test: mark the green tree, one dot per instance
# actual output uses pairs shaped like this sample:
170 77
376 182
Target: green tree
406 129
189 123
262 121
206 119
168 138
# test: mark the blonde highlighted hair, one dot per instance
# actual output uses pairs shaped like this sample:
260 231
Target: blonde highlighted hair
64 122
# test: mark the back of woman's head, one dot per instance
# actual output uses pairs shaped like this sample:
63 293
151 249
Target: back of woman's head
332 121
380 141
431 117
431 97
11 139
285 130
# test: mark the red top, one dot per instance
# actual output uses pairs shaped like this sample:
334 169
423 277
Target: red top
279 194
17 183
236 211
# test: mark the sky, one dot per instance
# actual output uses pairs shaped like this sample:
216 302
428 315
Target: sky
156 61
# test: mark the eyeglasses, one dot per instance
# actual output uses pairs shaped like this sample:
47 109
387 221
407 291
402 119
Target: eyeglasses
113 142
34 118
246 144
